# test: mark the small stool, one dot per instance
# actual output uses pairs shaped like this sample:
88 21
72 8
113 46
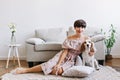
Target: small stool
14 48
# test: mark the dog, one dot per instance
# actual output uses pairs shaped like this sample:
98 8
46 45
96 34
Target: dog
86 48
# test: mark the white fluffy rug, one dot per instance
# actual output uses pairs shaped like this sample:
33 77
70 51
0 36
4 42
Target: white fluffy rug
105 73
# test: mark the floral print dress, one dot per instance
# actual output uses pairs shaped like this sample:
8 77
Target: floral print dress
73 47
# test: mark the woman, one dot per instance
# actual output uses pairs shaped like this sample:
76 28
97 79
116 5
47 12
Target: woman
66 57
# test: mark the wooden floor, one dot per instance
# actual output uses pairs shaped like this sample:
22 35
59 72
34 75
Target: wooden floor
11 66
115 63
11 63
112 62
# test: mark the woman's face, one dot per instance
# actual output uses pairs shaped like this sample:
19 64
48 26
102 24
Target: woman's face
79 30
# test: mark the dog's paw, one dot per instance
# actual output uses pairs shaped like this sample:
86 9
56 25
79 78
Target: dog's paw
98 68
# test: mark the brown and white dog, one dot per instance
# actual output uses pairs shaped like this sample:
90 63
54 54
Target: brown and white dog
86 48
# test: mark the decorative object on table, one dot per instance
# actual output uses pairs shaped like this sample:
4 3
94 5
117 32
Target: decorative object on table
109 41
13 47
12 27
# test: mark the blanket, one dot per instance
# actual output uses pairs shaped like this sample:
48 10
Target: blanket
105 73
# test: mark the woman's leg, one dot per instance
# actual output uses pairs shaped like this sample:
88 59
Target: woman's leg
33 69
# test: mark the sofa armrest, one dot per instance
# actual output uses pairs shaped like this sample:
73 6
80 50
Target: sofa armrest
35 41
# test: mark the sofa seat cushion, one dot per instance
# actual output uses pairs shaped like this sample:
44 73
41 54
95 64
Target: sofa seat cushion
48 46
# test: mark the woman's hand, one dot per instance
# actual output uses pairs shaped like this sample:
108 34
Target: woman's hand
57 70
56 67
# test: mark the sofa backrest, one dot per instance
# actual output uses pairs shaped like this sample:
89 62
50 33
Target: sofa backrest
51 34
88 31
91 31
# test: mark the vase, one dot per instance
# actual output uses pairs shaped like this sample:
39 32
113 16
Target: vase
13 39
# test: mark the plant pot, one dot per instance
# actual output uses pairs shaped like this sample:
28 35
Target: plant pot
108 57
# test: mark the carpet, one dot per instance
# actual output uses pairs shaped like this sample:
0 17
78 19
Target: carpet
117 68
105 73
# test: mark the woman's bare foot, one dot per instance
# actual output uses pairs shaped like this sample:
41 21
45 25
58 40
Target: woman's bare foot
19 71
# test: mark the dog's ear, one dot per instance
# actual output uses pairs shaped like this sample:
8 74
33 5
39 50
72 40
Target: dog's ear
92 49
82 48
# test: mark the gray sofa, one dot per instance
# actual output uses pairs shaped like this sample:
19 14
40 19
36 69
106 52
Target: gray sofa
47 42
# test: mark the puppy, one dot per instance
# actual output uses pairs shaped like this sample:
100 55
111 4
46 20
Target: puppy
86 48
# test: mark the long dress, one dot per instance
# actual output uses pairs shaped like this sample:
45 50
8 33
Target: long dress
73 47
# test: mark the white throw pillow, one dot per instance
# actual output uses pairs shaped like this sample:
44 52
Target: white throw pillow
78 61
78 71
97 37
35 41
71 31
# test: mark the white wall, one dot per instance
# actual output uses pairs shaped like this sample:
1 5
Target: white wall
31 14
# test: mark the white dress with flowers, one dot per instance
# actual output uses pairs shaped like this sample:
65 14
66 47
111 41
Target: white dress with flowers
73 47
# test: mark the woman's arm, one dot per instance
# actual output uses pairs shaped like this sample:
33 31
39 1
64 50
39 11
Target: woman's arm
57 69
61 59
62 56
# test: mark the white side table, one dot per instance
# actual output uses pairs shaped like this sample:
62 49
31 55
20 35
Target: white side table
13 48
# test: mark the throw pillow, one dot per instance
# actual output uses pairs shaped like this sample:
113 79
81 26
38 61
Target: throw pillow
35 41
78 71
98 37
78 61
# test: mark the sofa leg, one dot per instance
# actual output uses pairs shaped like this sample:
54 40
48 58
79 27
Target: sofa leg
30 64
101 62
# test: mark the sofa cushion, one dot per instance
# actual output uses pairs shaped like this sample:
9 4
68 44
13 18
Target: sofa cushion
98 37
89 31
49 46
93 33
35 41
51 34
78 71
78 61
70 31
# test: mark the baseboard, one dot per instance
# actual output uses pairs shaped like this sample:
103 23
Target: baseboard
115 56
5 58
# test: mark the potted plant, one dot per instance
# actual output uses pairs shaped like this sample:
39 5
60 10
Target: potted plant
109 41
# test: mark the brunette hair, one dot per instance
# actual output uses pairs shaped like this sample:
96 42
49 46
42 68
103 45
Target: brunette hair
80 23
